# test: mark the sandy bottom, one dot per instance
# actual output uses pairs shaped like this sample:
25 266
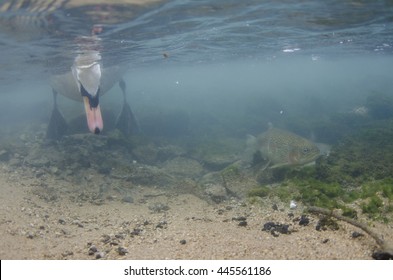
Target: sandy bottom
51 218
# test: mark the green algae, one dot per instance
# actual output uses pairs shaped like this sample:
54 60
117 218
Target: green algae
359 168
314 192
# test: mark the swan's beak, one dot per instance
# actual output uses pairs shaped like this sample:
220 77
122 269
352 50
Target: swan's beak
87 73
93 116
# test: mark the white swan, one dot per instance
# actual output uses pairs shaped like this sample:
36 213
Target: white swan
86 82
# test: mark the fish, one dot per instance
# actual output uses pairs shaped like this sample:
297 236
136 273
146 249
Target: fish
283 148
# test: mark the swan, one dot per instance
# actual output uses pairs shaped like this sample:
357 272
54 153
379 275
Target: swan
87 81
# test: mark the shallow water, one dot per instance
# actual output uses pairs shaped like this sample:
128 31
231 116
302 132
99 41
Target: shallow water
201 76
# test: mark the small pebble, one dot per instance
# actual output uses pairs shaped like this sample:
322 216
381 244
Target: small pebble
127 199
122 251
161 224
136 231
242 223
240 218
356 234
292 204
93 249
304 220
100 255
67 253
183 241
325 240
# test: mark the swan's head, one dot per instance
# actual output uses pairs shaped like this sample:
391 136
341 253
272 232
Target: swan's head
87 74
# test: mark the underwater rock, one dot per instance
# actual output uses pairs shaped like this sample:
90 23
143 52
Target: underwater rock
142 174
233 179
159 207
211 178
216 192
67 253
356 234
37 158
304 220
242 223
100 255
168 152
92 250
215 162
146 153
275 228
381 255
122 251
325 223
237 181
184 167
239 218
216 153
162 224
127 199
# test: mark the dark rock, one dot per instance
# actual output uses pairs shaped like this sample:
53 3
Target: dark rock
380 255
93 249
162 224
304 220
275 207
242 223
136 231
183 241
120 236
326 223
122 251
357 234
325 240
268 226
100 255
240 218
275 228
